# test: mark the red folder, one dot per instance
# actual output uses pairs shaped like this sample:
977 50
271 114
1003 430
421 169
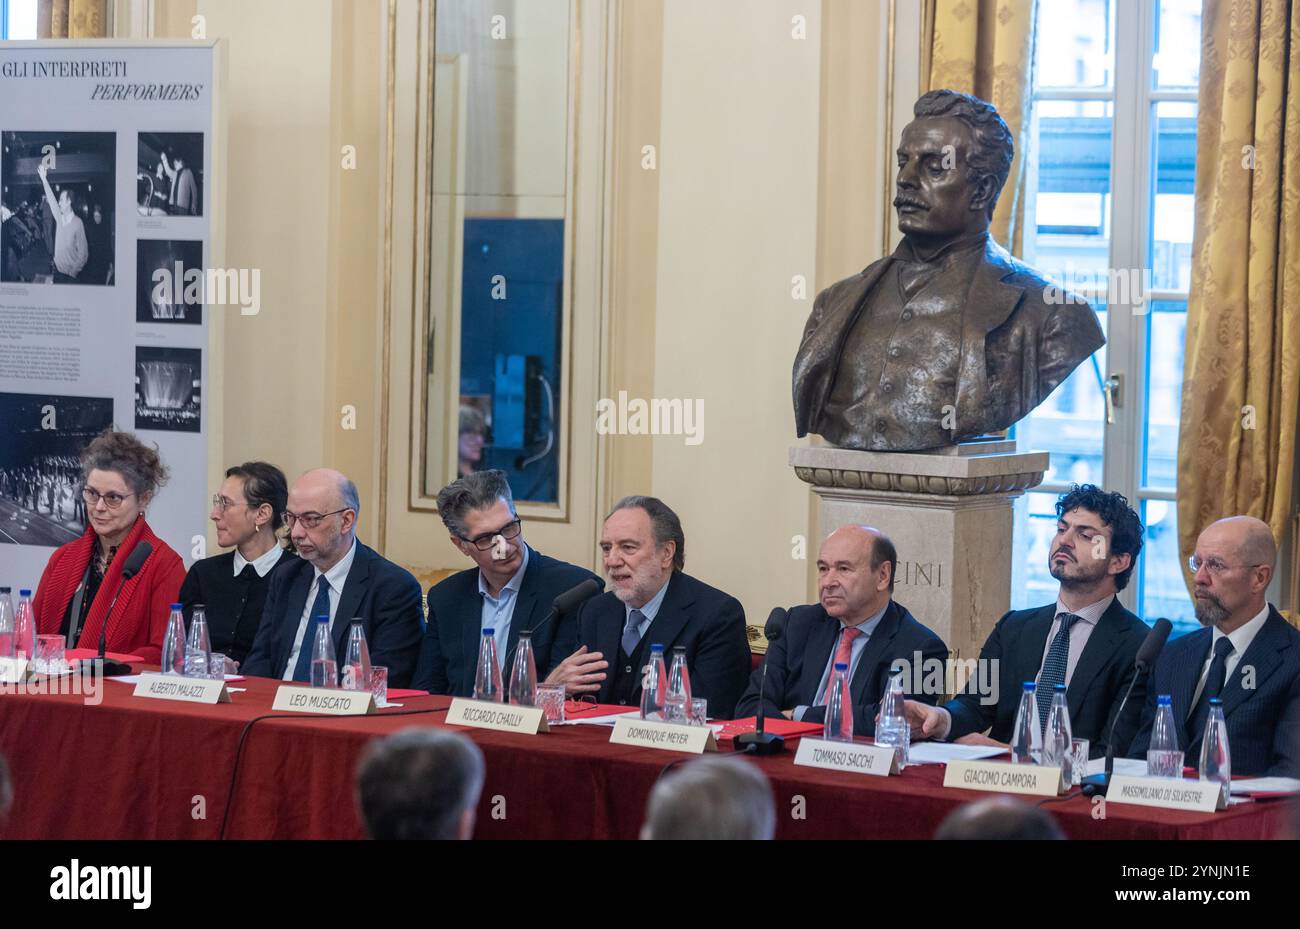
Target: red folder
788 728
84 654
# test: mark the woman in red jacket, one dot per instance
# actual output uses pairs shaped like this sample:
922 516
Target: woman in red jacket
120 475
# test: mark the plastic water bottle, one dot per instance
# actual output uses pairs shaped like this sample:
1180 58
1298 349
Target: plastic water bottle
892 728
6 624
1026 738
198 647
173 650
654 688
25 627
487 679
356 667
324 665
523 673
1164 757
677 698
1057 737
838 725
1216 760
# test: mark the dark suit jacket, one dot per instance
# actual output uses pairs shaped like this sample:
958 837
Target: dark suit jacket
1096 689
796 661
449 653
709 623
1263 721
385 597
1015 346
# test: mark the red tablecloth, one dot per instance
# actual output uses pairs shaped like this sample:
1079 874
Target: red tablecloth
137 768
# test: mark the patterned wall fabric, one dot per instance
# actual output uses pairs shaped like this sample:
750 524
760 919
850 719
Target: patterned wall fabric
72 19
1241 380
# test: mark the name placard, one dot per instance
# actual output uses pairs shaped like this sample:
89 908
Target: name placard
13 670
1171 793
1036 779
186 689
503 717
673 737
854 757
297 699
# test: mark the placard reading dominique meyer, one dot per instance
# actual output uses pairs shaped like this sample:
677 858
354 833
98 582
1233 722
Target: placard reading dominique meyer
106 195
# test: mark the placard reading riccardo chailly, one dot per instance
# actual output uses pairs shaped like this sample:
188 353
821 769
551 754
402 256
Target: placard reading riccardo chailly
106 178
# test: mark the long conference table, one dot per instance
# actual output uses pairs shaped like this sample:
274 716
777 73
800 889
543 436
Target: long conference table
135 768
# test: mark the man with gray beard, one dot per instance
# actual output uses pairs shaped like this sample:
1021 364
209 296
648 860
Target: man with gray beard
1247 655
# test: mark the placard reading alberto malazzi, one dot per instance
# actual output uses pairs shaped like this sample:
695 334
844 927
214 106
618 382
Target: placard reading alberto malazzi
502 717
672 737
296 699
185 689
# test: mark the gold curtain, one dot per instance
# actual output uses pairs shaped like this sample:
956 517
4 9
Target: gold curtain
1241 377
985 48
72 19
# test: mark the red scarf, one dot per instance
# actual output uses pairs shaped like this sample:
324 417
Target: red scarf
66 569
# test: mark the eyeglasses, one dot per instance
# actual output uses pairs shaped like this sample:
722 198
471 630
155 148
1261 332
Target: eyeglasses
1214 565
221 503
309 520
484 542
111 500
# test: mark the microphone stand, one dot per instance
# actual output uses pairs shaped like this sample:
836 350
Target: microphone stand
1096 785
108 667
760 742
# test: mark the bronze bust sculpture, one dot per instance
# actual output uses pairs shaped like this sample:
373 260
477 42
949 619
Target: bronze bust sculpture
948 338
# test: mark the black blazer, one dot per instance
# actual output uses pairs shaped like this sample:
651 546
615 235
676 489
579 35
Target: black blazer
1263 720
1100 678
709 623
449 652
384 596
233 606
796 661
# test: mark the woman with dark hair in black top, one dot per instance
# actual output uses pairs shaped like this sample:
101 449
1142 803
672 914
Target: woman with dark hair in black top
248 513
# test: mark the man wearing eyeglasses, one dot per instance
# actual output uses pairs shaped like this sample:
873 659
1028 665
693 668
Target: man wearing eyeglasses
509 590
1247 656
339 578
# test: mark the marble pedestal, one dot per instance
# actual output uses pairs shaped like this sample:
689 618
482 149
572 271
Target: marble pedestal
949 513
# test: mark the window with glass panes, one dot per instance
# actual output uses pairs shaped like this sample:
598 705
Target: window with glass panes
1111 172
18 19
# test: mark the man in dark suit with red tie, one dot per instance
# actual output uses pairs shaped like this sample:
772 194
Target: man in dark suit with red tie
856 622
1247 655
1086 640
652 601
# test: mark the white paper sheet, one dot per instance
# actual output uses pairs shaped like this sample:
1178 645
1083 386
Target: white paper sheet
1131 766
1278 785
944 752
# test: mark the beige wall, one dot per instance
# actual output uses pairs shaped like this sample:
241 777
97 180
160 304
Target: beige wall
304 79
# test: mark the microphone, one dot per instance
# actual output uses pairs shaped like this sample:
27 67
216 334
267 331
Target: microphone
761 742
134 562
1096 785
566 602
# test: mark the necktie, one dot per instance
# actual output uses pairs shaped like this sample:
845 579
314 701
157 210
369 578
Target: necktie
1213 687
843 655
321 607
632 631
1054 667
248 573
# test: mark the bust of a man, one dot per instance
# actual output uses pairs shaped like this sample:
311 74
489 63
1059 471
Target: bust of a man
949 337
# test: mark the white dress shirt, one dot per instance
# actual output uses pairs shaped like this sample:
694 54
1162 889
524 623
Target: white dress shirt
262 565
498 611
1240 638
335 577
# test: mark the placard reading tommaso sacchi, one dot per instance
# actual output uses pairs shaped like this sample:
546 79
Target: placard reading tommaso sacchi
107 196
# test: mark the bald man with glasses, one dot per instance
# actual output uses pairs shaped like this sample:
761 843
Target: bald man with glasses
340 578
1247 656
509 590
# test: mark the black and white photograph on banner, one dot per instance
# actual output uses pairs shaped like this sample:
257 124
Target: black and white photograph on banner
169 174
169 282
168 388
58 203
40 470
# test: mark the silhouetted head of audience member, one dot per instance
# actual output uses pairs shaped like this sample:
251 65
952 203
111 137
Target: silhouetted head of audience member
420 783
716 797
999 818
